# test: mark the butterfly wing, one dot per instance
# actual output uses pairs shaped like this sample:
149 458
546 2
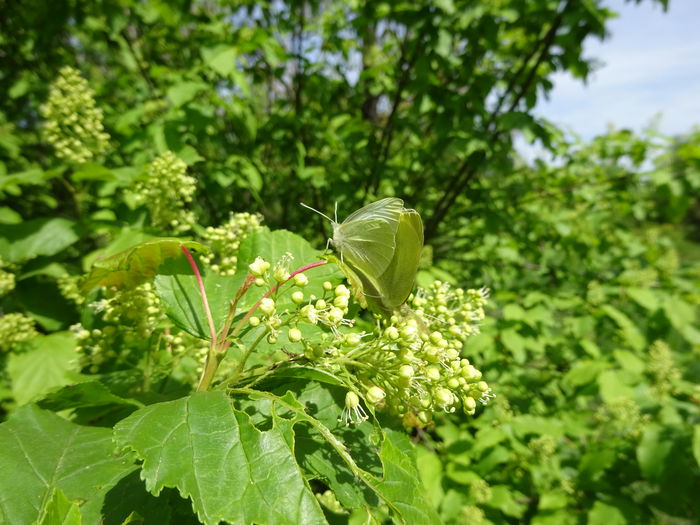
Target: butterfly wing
388 209
386 292
396 283
366 239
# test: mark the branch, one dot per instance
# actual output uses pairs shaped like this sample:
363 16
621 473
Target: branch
472 164
388 130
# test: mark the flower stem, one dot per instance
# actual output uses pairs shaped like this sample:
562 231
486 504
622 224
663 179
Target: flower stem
202 292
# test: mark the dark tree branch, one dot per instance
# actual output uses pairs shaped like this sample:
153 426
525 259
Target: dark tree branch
405 66
472 165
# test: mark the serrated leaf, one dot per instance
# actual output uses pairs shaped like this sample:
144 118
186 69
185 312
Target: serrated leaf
215 456
61 511
395 481
137 264
38 237
40 451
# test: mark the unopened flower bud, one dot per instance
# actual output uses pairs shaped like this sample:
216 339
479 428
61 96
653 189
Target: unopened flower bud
301 280
259 266
294 335
267 306
375 395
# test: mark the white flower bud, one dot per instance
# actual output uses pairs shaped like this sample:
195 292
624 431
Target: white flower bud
259 266
294 335
341 290
267 306
375 395
301 280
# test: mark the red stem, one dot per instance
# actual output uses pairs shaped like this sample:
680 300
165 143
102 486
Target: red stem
250 313
203 293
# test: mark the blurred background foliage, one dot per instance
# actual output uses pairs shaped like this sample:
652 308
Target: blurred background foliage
591 343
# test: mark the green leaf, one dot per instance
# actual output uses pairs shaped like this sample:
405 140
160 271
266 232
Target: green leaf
137 264
644 297
11 183
215 456
604 514
430 468
629 330
183 92
91 394
584 372
613 386
40 452
221 58
395 481
696 443
179 293
49 362
653 452
34 238
507 501
61 511
514 342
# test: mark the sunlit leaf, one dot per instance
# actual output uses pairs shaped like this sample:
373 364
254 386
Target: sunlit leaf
137 264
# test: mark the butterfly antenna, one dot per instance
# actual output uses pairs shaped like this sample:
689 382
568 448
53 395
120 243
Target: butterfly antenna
316 211
336 211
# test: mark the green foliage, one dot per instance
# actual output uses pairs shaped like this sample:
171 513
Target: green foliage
126 397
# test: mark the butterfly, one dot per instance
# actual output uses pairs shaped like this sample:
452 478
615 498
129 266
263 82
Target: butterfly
379 248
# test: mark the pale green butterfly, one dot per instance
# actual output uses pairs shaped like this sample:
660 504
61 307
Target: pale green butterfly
379 247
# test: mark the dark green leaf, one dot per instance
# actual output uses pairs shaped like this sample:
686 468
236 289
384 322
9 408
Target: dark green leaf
40 451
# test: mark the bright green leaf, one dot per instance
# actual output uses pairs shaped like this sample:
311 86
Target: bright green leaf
215 456
50 361
34 238
137 264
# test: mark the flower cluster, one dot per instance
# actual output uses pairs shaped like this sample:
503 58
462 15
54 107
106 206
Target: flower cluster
69 287
542 447
480 491
414 366
662 368
127 324
128 320
621 418
328 311
7 280
15 328
410 364
471 515
225 241
166 191
73 122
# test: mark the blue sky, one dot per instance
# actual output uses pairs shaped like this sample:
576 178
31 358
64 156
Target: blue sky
650 66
